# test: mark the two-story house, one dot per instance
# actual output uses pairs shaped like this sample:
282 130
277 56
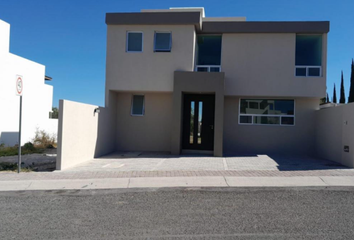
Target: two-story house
182 82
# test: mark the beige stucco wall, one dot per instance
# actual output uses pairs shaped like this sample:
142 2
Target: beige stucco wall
334 130
151 132
264 139
264 65
83 135
147 70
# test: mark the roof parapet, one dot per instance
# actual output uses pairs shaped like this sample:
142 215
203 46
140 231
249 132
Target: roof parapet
156 18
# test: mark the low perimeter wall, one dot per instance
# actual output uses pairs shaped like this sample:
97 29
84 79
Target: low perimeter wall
83 134
335 134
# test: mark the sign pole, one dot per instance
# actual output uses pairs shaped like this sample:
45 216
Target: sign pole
19 91
19 137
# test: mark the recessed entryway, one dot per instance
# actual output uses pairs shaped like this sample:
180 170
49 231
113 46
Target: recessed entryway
198 122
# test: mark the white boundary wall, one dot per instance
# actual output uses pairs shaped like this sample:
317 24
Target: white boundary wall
334 131
37 96
83 134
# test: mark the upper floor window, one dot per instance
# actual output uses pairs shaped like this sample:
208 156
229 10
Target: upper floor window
308 56
267 112
163 42
134 42
208 53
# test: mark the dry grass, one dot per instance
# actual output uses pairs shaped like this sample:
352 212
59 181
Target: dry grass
44 140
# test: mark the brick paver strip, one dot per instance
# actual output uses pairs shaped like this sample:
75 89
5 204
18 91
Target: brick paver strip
7 176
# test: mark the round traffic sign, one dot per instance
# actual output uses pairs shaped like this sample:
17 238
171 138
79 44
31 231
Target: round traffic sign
19 85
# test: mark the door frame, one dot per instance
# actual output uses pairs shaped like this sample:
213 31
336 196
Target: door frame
208 110
197 82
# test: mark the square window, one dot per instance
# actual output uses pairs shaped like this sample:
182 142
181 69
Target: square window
214 69
137 105
308 50
314 71
301 72
202 69
162 42
134 42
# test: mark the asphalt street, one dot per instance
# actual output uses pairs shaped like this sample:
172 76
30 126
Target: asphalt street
182 213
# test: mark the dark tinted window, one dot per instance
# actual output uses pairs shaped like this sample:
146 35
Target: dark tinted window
308 50
209 50
267 107
135 42
162 42
138 105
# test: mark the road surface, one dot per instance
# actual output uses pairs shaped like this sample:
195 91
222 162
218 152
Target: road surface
182 213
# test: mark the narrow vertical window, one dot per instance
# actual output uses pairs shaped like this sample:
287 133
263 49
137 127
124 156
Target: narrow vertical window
200 121
191 122
163 42
134 41
137 105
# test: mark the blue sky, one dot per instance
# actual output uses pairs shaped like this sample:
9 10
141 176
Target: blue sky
69 36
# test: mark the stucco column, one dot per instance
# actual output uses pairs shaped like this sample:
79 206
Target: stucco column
198 82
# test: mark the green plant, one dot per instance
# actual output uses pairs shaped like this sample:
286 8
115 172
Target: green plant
6 166
55 113
29 146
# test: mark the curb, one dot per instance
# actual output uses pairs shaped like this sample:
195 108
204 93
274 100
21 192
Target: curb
170 182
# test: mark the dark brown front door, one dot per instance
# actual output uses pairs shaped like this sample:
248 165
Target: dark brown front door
198 121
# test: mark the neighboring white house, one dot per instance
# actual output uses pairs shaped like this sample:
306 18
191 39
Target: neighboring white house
37 96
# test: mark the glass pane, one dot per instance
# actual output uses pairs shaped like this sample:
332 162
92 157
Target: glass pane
308 50
202 69
209 50
246 119
283 107
267 107
266 120
191 127
200 120
162 42
214 69
138 105
287 121
135 42
301 72
314 72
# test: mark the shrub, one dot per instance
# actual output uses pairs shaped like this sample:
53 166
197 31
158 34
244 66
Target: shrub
43 140
29 147
6 166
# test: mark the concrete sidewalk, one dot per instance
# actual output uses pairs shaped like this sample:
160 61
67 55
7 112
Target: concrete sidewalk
162 182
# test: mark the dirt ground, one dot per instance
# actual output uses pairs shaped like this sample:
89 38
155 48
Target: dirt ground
38 161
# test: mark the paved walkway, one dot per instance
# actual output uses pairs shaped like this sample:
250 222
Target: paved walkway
134 170
136 161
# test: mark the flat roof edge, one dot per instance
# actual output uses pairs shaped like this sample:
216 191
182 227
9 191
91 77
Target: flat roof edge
154 18
266 27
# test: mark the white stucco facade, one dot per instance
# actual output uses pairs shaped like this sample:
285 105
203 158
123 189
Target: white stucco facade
37 96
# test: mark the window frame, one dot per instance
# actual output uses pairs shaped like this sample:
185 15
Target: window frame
132 105
266 115
309 66
162 50
307 71
127 42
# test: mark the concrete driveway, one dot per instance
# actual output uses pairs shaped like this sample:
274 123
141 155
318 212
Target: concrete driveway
137 161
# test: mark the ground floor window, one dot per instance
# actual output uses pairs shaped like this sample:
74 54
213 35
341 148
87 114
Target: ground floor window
137 105
267 112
